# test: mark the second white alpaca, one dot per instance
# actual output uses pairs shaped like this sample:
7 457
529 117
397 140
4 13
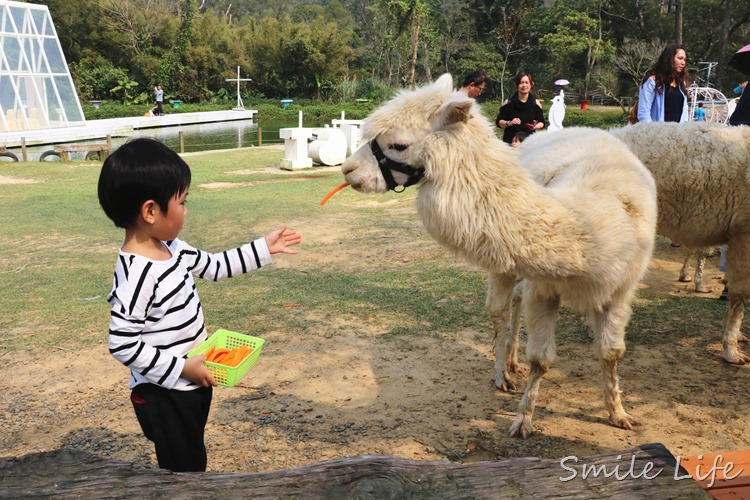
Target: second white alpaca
702 174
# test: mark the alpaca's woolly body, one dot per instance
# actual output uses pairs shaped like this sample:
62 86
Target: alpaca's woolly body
702 174
585 236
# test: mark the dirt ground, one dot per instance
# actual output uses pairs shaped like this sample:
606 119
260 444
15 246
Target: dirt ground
324 397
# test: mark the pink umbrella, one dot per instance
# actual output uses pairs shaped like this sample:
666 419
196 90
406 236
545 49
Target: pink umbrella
561 82
741 60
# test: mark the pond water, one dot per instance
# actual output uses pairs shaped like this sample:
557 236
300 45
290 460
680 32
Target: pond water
219 135
198 137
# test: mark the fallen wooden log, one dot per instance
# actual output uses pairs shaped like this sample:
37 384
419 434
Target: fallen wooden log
644 472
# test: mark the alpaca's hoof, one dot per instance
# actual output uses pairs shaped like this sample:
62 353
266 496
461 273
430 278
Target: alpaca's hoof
702 289
735 357
623 421
521 426
686 279
505 383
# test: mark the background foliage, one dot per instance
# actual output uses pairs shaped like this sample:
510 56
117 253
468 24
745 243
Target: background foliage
343 50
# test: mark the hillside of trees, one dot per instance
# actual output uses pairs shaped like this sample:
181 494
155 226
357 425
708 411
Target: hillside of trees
341 50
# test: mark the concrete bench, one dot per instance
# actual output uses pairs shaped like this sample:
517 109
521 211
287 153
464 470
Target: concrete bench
64 150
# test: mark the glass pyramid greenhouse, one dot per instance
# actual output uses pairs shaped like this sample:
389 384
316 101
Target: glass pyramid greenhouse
36 90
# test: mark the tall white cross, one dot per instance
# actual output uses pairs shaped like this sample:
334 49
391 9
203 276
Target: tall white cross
240 106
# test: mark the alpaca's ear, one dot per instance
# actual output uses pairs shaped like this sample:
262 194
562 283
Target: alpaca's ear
452 111
445 82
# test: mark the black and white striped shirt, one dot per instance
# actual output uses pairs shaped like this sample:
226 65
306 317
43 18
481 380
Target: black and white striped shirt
156 315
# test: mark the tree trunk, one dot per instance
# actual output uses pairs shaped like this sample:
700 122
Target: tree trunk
678 21
414 50
723 42
644 472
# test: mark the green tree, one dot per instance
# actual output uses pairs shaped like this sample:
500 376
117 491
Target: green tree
408 18
573 34
172 73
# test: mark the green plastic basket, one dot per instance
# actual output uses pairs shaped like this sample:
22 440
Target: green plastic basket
228 376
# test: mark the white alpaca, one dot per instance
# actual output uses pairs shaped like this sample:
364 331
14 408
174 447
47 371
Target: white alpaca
585 238
702 173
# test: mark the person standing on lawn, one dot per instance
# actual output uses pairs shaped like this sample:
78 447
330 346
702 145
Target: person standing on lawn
156 316
159 98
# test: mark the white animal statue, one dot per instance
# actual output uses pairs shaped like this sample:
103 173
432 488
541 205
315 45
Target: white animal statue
586 237
702 174
557 112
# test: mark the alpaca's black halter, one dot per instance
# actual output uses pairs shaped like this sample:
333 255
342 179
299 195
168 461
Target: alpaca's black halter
386 165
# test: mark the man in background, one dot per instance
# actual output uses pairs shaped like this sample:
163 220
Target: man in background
474 84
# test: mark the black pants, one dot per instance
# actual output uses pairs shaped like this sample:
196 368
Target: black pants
159 111
175 421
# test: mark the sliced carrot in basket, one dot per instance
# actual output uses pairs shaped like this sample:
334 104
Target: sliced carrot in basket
219 354
228 357
231 359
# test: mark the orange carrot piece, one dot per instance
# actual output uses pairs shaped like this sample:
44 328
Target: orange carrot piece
242 354
219 354
335 190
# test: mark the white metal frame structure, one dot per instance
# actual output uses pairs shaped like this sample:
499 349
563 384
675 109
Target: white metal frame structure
718 107
36 89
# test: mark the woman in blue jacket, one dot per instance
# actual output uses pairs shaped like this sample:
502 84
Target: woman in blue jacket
663 93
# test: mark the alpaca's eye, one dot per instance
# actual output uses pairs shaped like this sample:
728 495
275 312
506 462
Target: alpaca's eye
400 147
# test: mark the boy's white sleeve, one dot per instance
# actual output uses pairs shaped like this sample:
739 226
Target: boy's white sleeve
217 266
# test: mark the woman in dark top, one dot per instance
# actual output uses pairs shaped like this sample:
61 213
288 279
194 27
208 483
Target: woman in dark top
662 96
522 111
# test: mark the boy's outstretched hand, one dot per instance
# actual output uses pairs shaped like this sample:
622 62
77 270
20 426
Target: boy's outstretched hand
196 371
280 240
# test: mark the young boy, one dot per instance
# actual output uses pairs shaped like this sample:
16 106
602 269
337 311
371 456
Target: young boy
520 136
156 316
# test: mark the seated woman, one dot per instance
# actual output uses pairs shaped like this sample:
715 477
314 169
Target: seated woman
522 112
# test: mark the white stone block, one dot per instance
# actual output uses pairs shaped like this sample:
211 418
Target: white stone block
295 148
329 148
353 136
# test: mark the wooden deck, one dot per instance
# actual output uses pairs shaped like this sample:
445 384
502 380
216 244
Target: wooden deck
725 475
116 127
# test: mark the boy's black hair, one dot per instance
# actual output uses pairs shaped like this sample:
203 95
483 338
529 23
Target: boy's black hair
138 171
521 135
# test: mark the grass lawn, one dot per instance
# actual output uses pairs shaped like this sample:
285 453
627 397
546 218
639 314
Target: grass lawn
57 253
364 259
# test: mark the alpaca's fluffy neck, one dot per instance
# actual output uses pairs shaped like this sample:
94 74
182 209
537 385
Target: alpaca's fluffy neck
480 203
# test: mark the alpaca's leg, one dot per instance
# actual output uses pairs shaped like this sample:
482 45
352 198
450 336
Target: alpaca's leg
699 265
540 315
516 318
499 302
609 341
738 281
685 270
